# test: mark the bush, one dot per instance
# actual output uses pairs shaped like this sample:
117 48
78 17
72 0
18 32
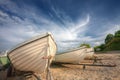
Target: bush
108 38
86 45
114 44
117 33
100 48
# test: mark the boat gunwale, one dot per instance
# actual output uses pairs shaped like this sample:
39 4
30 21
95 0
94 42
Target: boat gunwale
71 51
90 51
30 41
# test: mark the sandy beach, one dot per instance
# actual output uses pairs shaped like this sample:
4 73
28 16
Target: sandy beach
76 72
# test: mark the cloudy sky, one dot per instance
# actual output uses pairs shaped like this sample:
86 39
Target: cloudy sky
71 22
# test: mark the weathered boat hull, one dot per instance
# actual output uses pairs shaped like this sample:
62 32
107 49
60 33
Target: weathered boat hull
90 53
74 56
28 56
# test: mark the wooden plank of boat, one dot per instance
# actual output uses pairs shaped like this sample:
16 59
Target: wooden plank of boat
73 56
28 56
90 53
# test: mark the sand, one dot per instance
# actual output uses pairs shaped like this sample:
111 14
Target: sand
76 72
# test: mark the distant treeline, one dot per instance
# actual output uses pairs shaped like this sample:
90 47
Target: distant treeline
112 42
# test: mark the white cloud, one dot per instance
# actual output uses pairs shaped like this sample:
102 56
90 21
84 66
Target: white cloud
17 30
69 34
3 14
81 24
112 29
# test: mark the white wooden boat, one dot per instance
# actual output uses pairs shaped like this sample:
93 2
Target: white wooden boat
74 56
90 53
30 55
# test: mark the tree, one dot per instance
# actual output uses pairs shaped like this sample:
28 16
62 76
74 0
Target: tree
100 48
114 44
97 48
117 34
108 38
86 45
